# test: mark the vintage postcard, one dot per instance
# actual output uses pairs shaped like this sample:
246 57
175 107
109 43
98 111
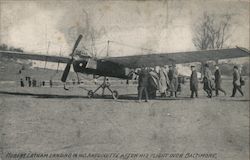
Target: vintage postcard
124 79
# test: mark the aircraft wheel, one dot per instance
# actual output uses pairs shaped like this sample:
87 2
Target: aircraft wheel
90 94
115 94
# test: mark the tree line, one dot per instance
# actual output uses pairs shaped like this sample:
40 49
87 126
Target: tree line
5 47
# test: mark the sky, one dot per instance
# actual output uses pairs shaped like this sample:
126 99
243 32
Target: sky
43 26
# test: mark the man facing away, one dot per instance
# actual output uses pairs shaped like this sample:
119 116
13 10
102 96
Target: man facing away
153 83
236 82
143 84
173 78
193 82
21 82
217 81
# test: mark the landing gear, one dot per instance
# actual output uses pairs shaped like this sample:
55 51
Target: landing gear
115 94
104 85
90 94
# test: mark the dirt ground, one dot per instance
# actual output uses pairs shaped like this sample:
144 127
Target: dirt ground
52 120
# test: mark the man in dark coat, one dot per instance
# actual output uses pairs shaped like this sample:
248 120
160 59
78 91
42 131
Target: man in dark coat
173 78
29 81
236 82
143 84
217 81
50 83
193 82
34 83
21 81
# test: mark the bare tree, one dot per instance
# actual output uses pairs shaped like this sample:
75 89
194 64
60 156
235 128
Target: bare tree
91 34
212 32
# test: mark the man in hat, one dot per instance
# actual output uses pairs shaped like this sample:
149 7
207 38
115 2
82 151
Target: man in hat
163 81
207 80
50 83
153 83
194 82
173 78
143 84
236 82
167 78
217 81
21 82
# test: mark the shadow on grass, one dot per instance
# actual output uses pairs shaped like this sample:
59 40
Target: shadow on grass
38 95
121 97
236 100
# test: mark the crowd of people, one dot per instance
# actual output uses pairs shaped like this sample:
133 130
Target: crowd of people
32 82
166 80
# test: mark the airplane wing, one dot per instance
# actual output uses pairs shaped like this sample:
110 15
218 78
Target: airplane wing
151 60
30 56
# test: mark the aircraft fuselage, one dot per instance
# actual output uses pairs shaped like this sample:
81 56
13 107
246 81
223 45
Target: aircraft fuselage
101 68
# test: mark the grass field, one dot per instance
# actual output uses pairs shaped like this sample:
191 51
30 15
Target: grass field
52 120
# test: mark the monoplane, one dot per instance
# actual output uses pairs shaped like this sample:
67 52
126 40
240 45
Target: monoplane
122 67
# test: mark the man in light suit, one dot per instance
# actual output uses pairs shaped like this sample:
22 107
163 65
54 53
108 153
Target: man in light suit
236 82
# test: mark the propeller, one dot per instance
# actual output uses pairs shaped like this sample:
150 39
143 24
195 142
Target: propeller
67 68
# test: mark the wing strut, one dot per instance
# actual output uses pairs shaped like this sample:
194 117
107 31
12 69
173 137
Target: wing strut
46 57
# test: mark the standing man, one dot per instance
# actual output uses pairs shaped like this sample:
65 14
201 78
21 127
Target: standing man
50 83
21 82
143 84
236 82
29 81
242 82
194 83
173 78
153 83
162 81
167 79
217 81
207 80
34 82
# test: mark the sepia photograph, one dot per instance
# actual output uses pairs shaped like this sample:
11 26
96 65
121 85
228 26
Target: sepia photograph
124 79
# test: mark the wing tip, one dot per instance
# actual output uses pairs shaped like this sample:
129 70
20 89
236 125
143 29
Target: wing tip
243 49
